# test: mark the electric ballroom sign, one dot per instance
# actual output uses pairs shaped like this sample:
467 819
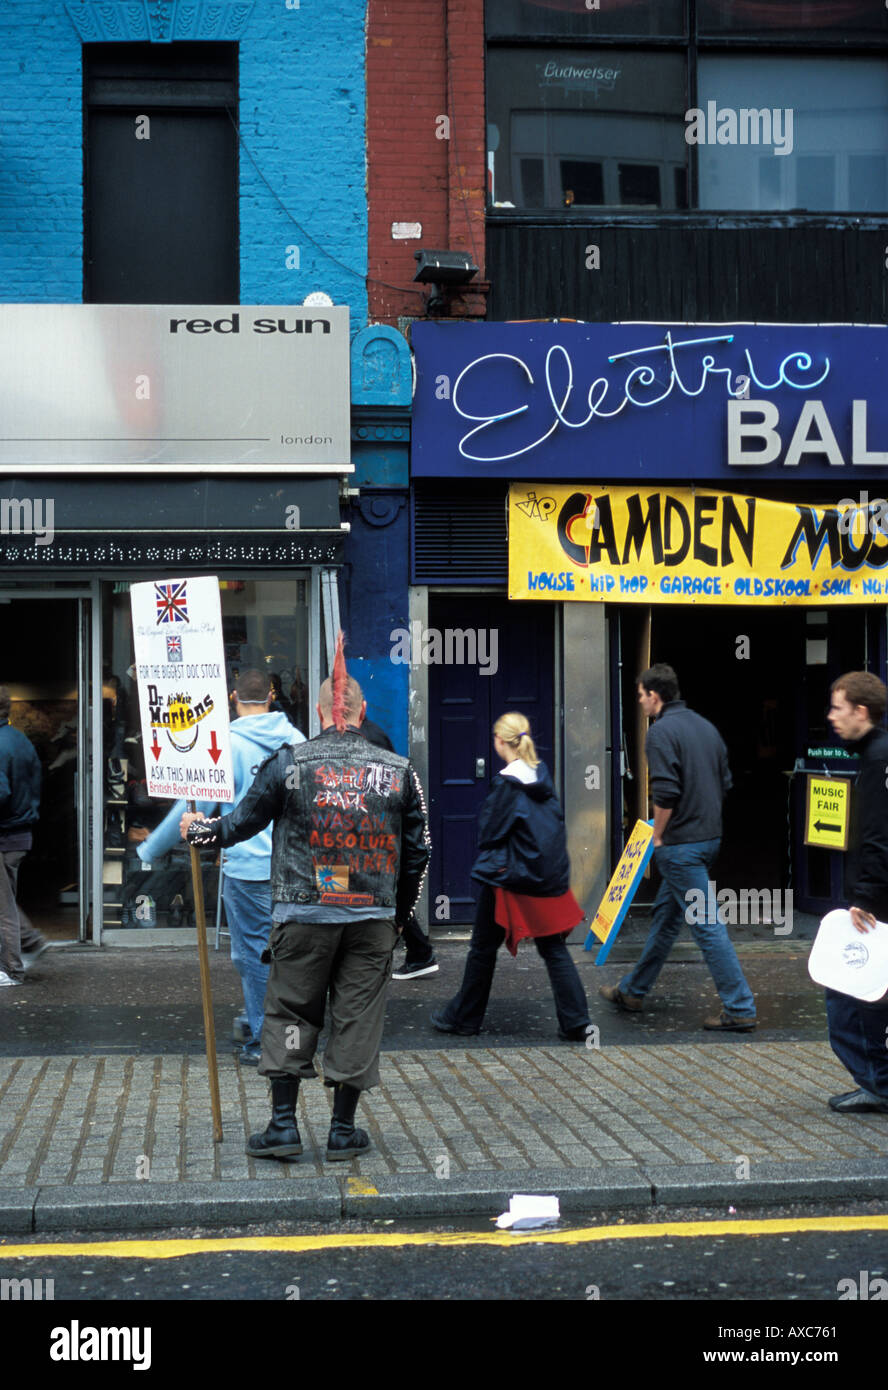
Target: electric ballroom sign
183 691
633 401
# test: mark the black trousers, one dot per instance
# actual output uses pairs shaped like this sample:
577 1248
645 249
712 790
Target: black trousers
467 1008
858 1035
419 947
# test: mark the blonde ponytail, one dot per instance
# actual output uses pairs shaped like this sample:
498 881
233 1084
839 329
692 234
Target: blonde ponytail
514 730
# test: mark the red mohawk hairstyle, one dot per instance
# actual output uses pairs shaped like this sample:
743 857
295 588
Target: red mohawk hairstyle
340 684
340 697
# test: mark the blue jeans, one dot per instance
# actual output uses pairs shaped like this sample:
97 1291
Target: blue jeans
248 910
685 867
467 1008
858 1033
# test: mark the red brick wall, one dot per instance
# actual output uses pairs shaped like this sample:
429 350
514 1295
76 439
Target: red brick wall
425 61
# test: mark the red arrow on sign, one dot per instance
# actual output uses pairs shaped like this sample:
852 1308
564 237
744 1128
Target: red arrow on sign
155 748
214 750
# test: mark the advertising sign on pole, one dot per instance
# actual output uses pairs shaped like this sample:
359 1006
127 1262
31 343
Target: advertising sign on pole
826 811
183 701
621 889
183 691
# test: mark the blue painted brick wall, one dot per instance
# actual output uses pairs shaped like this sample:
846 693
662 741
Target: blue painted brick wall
302 158
302 113
41 154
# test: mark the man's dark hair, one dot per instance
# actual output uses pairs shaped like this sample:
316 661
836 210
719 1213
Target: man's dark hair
661 680
863 688
253 686
5 702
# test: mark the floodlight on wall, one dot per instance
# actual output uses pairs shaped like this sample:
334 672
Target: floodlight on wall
444 267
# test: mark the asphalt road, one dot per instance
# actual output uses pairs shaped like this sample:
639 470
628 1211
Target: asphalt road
634 1257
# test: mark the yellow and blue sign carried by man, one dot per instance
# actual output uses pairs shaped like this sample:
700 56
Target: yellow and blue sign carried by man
621 889
691 545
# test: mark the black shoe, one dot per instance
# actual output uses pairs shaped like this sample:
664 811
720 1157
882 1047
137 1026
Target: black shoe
858 1102
577 1034
281 1139
440 1022
344 1140
413 969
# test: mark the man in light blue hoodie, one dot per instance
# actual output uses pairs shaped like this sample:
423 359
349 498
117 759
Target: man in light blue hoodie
246 868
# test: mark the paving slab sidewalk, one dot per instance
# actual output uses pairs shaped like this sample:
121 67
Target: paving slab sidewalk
119 1142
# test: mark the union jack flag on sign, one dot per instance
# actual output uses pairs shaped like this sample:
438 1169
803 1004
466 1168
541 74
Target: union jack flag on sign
174 649
171 603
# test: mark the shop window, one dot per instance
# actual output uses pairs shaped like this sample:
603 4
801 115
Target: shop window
814 136
265 624
579 19
596 127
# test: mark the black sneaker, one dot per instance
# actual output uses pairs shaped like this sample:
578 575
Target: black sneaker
580 1034
442 1024
413 969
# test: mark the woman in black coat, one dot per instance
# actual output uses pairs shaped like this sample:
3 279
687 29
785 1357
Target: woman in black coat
524 870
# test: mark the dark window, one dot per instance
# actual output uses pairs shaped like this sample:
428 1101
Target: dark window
582 181
571 117
787 119
577 19
640 185
161 176
812 16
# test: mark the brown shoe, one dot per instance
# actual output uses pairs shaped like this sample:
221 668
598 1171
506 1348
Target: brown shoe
730 1023
628 1002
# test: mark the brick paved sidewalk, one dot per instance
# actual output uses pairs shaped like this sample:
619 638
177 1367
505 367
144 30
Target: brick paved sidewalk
115 1119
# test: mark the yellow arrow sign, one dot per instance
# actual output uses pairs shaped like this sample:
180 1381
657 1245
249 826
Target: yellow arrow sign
826 812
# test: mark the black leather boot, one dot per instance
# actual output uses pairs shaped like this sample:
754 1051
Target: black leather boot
344 1140
281 1139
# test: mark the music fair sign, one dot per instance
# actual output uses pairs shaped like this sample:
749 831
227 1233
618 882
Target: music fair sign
183 691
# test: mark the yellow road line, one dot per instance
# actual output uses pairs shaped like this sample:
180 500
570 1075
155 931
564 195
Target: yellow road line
175 1249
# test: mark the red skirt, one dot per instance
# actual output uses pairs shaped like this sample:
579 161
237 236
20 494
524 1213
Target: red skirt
521 915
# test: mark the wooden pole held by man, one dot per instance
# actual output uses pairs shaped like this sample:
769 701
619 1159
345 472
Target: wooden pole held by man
206 992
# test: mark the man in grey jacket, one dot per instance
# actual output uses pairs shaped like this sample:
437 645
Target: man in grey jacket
689 773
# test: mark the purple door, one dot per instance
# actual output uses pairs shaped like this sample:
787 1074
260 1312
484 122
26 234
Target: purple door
463 705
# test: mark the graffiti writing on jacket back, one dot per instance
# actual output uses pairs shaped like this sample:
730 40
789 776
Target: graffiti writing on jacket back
345 787
343 842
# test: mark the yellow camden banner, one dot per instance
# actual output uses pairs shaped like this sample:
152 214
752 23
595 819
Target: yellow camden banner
691 545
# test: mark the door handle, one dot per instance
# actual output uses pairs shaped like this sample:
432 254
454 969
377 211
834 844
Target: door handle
480 767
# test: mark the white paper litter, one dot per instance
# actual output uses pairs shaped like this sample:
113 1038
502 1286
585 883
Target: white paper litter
527 1212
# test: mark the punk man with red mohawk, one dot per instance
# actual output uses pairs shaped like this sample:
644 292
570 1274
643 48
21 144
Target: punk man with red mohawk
349 851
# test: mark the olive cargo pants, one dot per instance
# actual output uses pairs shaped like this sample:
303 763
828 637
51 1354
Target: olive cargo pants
351 963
